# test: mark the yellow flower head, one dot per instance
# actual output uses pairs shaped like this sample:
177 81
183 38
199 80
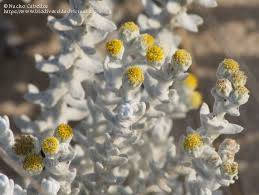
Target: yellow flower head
223 87
50 145
115 47
230 168
242 90
129 31
221 84
196 99
148 40
191 81
129 26
134 75
240 95
229 145
192 141
24 145
155 54
33 163
238 78
227 67
182 57
230 142
64 132
230 65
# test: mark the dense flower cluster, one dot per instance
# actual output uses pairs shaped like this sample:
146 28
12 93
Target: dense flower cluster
124 107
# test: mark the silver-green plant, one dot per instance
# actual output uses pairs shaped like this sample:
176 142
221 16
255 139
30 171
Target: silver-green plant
124 106
64 100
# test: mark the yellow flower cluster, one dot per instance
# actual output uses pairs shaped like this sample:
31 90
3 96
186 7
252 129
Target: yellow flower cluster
227 67
230 64
114 47
192 141
135 75
50 145
238 78
233 82
24 145
191 81
242 90
221 85
64 132
196 99
33 163
131 26
230 168
155 54
182 57
148 40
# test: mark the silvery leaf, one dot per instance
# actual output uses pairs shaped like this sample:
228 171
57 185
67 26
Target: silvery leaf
25 124
92 37
101 7
232 129
7 186
46 98
100 22
146 23
59 25
208 3
49 186
6 134
114 161
59 63
151 8
173 7
89 65
188 21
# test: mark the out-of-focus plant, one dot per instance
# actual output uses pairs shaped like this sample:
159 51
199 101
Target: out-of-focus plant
124 108
162 17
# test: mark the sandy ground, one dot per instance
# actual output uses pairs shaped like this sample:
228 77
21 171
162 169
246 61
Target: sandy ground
230 30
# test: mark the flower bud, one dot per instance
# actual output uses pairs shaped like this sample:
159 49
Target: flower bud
33 163
227 67
230 168
223 87
134 76
24 145
155 55
50 146
64 132
115 48
192 141
228 148
181 60
240 95
229 145
143 42
238 78
129 31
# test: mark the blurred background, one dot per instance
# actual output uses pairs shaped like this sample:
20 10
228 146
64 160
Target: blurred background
229 30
